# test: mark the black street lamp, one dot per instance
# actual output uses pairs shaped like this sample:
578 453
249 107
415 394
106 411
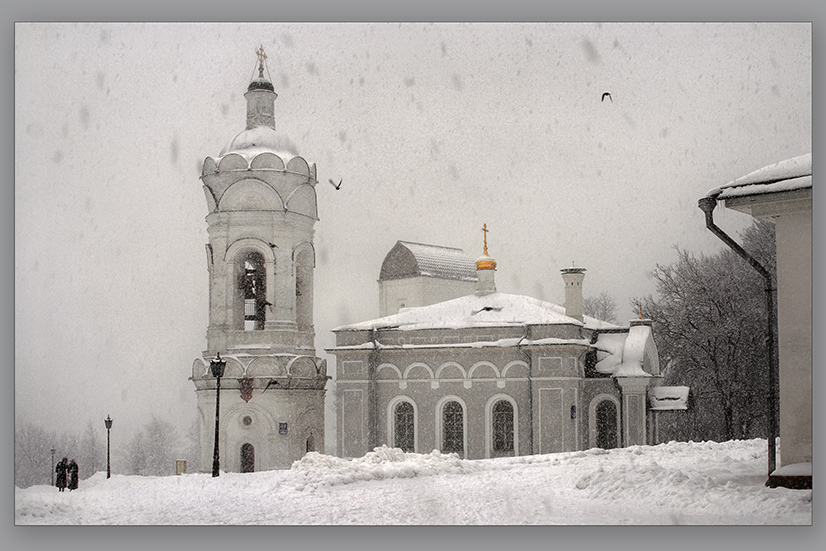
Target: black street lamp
52 450
108 423
217 366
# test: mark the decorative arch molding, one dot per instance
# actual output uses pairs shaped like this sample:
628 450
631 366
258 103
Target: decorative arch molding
390 368
258 414
489 423
298 165
479 366
234 369
232 161
302 366
246 244
212 203
200 368
267 160
303 200
415 365
265 366
592 418
440 421
391 421
250 194
516 365
302 249
451 365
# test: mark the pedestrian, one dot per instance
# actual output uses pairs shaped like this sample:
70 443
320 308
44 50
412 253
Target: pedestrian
60 480
72 475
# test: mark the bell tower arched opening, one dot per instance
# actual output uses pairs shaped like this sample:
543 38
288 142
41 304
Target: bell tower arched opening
250 297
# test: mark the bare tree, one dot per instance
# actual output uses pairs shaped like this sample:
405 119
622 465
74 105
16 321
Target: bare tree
153 450
91 456
710 321
32 455
601 307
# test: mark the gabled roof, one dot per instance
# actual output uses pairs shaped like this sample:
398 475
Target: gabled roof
407 259
790 174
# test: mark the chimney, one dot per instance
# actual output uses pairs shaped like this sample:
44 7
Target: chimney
573 291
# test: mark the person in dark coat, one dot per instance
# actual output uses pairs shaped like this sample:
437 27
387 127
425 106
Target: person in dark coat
60 479
72 469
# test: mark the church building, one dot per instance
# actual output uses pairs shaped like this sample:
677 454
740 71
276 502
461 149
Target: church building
261 199
490 374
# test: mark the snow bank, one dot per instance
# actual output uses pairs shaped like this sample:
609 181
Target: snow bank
315 469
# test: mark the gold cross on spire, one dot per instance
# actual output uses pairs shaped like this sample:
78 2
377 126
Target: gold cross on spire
261 57
485 231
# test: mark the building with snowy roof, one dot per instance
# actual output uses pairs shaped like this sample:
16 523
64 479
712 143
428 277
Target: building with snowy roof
491 374
782 194
415 274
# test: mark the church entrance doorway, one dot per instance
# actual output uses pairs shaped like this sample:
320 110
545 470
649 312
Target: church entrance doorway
247 458
607 425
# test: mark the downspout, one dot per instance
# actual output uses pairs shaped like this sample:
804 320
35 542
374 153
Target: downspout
372 397
530 388
707 205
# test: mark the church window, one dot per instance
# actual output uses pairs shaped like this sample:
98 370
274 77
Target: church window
310 443
404 426
453 434
606 422
502 426
252 288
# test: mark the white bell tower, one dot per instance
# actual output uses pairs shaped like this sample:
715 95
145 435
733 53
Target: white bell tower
260 257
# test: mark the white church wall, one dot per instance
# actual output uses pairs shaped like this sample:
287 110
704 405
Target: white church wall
794 313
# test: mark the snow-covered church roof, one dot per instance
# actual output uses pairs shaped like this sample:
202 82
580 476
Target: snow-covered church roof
407 259
491 310
786 175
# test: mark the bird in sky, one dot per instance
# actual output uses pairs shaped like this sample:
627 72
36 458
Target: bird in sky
334 184
607 95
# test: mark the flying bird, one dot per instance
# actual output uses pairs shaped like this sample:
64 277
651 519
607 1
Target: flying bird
334 184
607 95
271 383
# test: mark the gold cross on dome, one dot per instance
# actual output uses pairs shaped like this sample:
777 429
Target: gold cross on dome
261 57
485 231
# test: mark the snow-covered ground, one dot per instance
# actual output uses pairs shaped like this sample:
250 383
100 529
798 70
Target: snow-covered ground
676 483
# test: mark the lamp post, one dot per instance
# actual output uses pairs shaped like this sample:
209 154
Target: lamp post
52 450
108 423
217 366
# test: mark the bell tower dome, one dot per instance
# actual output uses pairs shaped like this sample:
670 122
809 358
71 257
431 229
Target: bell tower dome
261 202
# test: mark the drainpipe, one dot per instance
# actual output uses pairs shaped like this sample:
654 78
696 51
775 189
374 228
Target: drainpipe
530 388
707 205
372 395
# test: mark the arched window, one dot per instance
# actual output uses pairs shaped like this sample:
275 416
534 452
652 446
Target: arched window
247 458
252 287
453 434
502 420
311 443
403 428
606 424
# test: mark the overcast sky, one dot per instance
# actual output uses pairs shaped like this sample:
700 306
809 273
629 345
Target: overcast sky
435 129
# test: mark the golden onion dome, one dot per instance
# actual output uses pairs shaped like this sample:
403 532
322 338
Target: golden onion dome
485 262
